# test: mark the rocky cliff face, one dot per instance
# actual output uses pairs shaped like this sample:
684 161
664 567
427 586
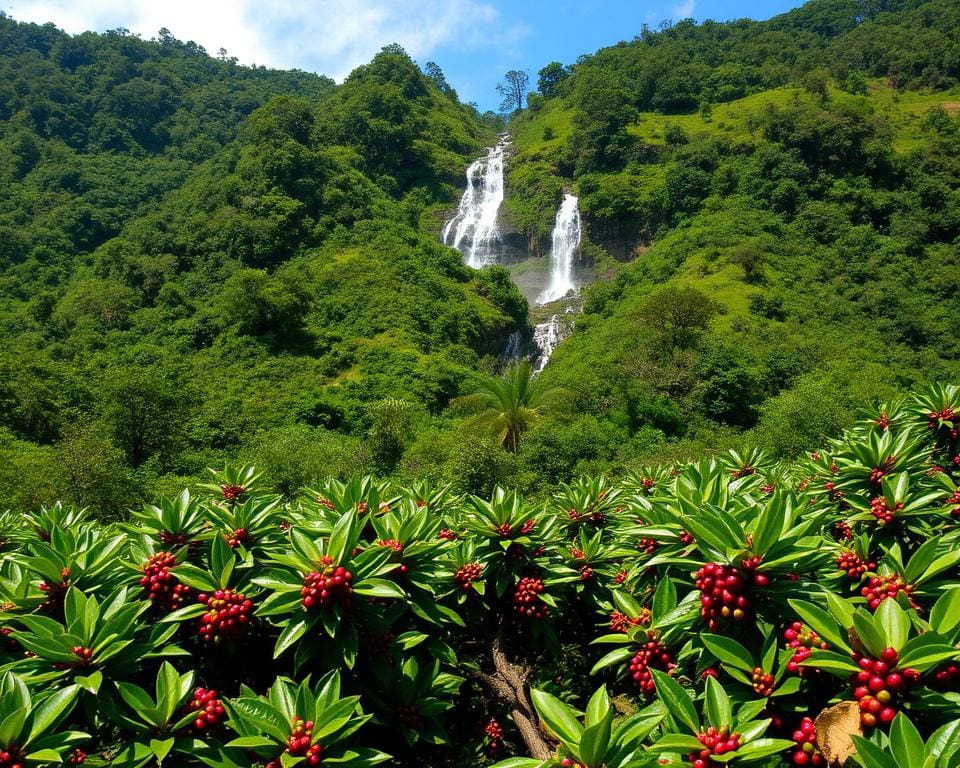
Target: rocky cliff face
622 239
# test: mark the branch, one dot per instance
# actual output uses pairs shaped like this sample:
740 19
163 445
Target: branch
509 684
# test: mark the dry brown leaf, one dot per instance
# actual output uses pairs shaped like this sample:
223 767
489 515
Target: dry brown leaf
836 726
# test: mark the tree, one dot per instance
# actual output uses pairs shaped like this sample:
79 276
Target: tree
509 405
146 410
678 314
513 89
432 70
550 77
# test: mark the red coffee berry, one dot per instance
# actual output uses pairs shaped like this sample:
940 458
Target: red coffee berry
526 598
298 743
409 717
723 592
879 588
493 729
162 586
328 586
467 574
805 737
227 617
209 709
236 537
854 566
651 656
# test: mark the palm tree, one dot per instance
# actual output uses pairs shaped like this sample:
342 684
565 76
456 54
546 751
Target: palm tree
508 405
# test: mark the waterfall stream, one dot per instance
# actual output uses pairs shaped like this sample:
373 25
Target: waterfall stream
473 230
566 240
546 336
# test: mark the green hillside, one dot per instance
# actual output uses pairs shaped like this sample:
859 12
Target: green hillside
240 272
202 262
782 250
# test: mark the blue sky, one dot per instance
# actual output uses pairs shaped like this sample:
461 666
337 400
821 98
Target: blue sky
473 41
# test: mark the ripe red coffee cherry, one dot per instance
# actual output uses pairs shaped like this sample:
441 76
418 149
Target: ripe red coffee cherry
328 586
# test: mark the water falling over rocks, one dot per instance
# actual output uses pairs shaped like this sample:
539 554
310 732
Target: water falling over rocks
566 241
548 334
473 230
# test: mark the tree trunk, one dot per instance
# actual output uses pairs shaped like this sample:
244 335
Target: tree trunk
509 684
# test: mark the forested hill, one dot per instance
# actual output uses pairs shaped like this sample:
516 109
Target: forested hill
191 251
783 199
202 262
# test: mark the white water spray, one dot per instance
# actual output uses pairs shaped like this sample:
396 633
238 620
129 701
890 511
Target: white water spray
546 336
473 230
566 240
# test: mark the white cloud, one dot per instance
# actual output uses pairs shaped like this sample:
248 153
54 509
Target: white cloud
683 11
328 36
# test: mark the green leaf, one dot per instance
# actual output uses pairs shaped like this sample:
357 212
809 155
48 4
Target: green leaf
676 742
664 599
91 683
598 707
906 745
821 622
926 651
710 533
754 750
595 740
945 741
926 553
830 662
894 621
870 755
676 700
627 603
220 555
867 632
193 611
614 657
379 588
260 716
252 742
841 609
942 563
728 651
945 614
44 756
557 716
51 711
521 762
295 629
196 577
12 724
768 528
718 709
161 748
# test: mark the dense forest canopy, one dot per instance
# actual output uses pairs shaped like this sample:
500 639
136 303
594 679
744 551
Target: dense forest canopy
203 262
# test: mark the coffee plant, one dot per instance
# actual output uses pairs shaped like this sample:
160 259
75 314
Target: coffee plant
727 610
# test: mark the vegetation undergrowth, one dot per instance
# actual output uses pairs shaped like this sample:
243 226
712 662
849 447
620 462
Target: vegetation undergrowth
736 609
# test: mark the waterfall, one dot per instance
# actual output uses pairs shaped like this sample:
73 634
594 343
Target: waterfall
513 349
546 336
566 240
473 230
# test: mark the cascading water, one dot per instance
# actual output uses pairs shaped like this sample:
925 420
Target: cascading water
546 336
513 349
473 230
566 240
